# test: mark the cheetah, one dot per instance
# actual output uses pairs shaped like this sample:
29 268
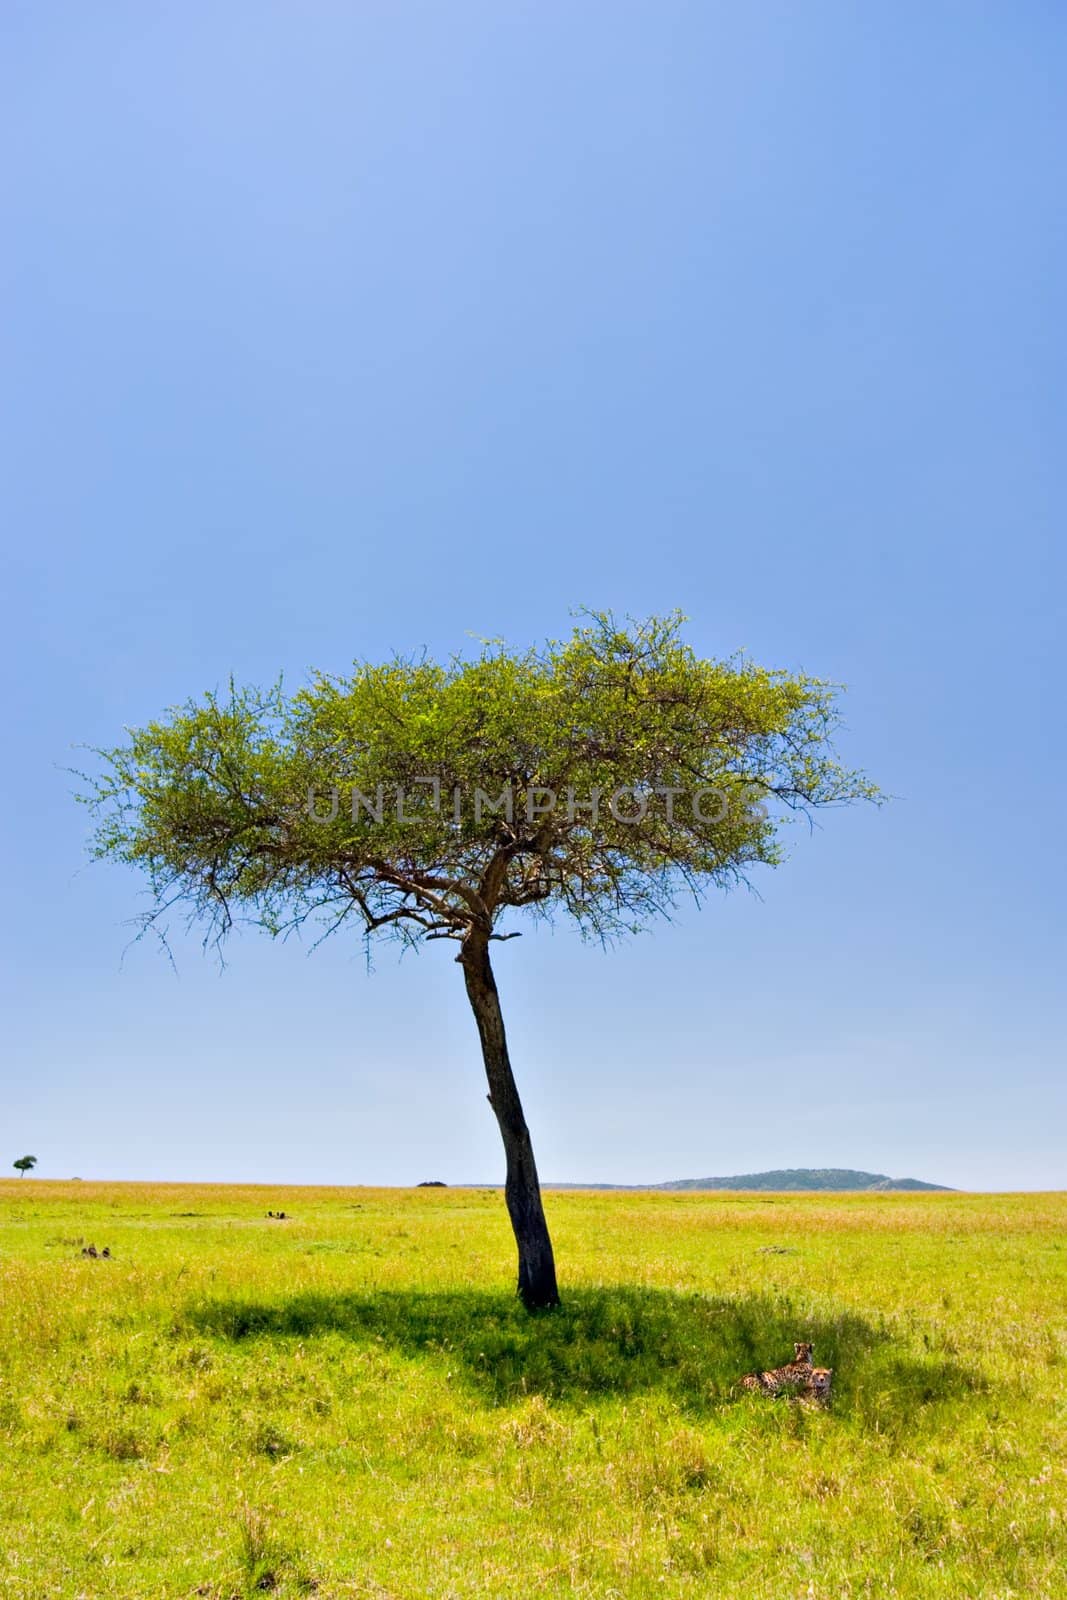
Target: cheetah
819 1387
798 1378
795 1376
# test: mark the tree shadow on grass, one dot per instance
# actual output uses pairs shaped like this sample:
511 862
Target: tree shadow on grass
609 1342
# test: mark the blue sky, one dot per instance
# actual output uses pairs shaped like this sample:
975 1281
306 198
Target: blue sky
344 329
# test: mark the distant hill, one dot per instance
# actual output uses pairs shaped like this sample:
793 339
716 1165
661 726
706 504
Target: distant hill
840 1179
804 1178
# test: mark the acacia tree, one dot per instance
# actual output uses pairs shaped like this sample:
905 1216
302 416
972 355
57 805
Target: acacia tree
24 1164
596 777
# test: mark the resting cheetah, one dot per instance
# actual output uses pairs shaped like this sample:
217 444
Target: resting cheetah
799 1379
819 1388
796 1375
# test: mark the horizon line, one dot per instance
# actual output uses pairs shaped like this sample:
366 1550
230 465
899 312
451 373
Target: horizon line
605 1186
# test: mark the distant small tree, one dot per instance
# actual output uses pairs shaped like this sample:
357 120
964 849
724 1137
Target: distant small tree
24 1164
596 777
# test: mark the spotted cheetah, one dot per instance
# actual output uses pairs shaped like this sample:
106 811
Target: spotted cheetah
819 1387
804 1382
796 1375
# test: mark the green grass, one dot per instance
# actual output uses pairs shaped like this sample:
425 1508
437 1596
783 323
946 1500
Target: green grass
352 1403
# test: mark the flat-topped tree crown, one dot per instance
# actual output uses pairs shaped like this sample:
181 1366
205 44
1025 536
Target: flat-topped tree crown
596 776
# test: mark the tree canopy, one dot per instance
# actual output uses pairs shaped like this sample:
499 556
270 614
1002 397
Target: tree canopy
376 797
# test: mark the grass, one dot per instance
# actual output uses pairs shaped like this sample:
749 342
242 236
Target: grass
352 1403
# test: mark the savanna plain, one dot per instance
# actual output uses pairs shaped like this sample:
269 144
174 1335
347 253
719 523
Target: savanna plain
351 1401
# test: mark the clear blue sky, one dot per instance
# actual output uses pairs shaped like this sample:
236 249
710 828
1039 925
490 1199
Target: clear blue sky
341 329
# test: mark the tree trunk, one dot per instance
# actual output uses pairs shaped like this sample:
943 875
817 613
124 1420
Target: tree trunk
522 1191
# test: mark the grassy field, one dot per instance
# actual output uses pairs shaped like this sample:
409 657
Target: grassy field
351 1403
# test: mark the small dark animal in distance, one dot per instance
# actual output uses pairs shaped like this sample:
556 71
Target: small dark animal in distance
97 1255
